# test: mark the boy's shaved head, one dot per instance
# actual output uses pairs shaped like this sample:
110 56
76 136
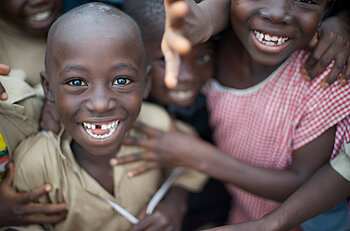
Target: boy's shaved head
92 19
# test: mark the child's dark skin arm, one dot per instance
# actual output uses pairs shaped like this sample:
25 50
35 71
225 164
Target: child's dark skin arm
168 215
321 192
177 149
19 209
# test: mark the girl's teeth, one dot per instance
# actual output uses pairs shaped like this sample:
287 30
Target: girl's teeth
270 40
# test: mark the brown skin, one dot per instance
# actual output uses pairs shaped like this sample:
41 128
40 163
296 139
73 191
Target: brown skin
332 189
97 75
21 11
299 24
20 209
214 13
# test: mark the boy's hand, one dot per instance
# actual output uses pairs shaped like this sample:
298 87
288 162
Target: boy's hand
4 70
19 209
49 118
167 216
164 149
333 44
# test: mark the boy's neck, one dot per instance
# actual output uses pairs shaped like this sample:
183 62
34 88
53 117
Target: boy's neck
236 68
97 166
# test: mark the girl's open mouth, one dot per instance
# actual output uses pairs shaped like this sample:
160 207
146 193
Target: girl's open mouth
268 42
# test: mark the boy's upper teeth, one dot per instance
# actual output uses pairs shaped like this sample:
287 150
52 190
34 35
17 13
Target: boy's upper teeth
181 94
271 40
40 16
102 126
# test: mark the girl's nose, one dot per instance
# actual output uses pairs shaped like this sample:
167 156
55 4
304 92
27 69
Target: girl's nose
278 12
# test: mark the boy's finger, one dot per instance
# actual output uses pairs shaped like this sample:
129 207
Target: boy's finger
35 194
36 208
336 70
145 168
3 93
4 70
177 43
172 68
175 14
141 127
132 158
44 219
346 74
9 175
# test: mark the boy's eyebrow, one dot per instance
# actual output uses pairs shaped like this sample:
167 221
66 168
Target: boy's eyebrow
70 67
123 66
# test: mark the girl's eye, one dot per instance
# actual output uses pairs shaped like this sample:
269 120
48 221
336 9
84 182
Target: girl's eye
76 83
203 58
122 81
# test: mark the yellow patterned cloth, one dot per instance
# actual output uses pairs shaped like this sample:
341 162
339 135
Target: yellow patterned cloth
4 157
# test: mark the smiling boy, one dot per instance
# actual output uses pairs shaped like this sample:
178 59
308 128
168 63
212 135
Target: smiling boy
97 75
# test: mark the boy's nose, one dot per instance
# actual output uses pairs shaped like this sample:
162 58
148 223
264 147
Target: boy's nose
37 2
100 104
277 12
186 74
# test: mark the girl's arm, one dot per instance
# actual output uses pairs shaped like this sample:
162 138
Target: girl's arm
178 149
323 191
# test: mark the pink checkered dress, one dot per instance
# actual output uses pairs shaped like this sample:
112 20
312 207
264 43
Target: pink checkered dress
264 124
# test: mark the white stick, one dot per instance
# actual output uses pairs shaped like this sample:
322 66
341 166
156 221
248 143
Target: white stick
162 191
123 212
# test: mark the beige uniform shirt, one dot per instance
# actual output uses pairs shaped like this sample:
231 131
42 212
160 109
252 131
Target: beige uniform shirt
49 159
19 115
20 50
341 163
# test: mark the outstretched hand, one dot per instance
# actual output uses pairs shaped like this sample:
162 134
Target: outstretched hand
163 149
4 70
332 44
19 209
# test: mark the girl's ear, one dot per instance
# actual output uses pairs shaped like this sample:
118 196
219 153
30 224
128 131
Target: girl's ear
46 86
148 82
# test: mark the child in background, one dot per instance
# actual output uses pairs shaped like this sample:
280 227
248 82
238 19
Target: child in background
277 128
184 102
97 75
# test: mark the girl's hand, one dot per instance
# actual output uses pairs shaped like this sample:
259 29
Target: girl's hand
49 118
164 149
4 70
167 216
333 44
19 209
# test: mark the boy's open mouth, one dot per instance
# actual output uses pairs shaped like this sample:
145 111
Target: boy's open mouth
270 40
40 16
100 130
181 94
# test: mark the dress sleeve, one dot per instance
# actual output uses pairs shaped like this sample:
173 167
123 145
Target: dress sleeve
321 109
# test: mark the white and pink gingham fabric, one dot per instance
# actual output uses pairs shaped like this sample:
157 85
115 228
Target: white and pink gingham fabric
262 126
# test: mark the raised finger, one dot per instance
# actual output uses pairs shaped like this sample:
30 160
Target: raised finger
175 13
140 170
9 176
35 194
132 158
177 42
4 70
3 93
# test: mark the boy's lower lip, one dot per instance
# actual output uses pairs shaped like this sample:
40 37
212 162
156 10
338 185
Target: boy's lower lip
270 47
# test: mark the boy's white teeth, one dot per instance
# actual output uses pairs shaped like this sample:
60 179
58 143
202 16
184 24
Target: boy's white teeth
40 16
181 95
109 127
270 40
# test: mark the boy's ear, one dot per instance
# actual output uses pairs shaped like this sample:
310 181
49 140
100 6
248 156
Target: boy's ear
46 86
148 82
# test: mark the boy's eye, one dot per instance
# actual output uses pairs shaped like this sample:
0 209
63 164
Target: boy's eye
76 83
203 58
306 1
122 81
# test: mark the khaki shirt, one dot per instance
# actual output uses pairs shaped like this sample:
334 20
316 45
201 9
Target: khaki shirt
341 163
19 114
20 50
49 159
